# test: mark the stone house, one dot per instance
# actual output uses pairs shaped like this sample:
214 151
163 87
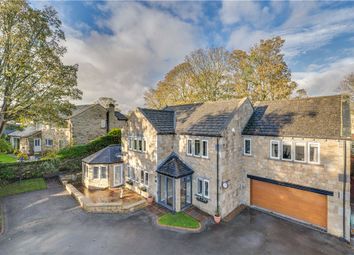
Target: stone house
287 157
86 123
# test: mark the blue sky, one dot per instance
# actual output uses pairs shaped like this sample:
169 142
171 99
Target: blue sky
124 48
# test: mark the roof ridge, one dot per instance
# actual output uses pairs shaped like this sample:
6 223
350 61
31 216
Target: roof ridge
296 99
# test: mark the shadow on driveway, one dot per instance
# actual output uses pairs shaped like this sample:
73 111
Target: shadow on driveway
50 222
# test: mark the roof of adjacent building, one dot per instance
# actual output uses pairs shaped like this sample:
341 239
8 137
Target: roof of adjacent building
205 119
120 116
174 167
314 117
28 131
109 155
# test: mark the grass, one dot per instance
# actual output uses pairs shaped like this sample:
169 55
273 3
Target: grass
7 158
179 219
23 186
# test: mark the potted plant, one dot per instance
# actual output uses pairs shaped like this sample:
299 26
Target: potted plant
150 199
217 216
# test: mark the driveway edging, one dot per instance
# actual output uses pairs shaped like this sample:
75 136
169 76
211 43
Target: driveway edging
2 215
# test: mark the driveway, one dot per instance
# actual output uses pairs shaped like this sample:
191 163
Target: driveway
50 222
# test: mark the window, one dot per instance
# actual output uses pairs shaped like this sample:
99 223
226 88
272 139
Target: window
274 149
204 149
48 142
287 155
247 146
103 172
130 142
189 147
37 142
203 187
300 152
95 172
103 123
140 143
135 144
131 173
144 145
314 153
196 147
87 170
144 177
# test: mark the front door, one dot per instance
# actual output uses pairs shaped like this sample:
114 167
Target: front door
37 145
118 175
166 191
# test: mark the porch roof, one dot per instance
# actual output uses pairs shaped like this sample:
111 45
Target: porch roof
109 155
27 132
174 167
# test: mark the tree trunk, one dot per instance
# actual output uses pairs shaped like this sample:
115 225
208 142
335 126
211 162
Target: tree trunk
2 126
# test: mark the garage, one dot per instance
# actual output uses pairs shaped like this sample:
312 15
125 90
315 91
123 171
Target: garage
301 203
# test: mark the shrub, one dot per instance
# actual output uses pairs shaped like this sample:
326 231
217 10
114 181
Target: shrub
5 146
22 155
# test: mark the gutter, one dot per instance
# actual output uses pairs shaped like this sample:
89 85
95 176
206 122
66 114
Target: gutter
344 186
217 176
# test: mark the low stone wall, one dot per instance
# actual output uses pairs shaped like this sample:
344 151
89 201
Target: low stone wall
88 205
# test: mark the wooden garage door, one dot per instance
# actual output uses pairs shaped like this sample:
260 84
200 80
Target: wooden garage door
299 204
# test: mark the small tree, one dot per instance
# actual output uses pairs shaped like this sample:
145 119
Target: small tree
34 83
347 85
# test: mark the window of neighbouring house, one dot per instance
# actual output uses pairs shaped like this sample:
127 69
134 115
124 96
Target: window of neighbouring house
203 187
274 149
287 151
49 142
196 147
247 146
314 153
189 147
37 142
300 152
103 172
103 123
204 148
95 172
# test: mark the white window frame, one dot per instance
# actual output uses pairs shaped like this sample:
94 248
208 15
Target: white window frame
46 142
197 155
270 149
37 140
291 150
135 144
203 181
244 146
308 153
103 178
202 149
191 143
98 173
305 152
140 144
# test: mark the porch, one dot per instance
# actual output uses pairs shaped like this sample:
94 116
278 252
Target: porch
174 184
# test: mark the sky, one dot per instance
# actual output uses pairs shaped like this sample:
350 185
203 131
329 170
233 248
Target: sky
123 48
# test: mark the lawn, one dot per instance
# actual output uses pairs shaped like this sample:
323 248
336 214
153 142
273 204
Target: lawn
23 186
6 158
179 219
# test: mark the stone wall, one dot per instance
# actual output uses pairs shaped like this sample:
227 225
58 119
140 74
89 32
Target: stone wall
86 126
327 175
146 161
57 134
231 170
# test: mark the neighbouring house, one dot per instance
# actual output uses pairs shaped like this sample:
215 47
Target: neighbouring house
103 169
86 123
288 157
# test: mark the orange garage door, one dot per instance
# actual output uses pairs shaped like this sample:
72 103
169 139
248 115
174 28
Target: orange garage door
299 204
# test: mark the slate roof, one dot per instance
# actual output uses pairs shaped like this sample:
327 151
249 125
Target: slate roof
120 116
162 120
28 131
174 167
204 119
109 155
315 117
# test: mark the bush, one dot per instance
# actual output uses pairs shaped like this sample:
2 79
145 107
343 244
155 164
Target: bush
5 146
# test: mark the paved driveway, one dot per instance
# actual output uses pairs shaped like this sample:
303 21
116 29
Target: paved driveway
49 222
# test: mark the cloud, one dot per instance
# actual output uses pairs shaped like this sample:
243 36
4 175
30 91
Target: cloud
145 43
324 80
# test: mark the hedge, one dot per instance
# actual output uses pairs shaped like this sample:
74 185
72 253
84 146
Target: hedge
66 160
